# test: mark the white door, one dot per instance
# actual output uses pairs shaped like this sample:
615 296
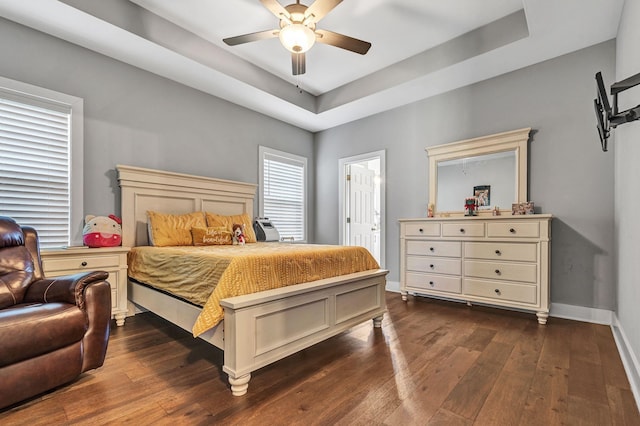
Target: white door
360 222
361 203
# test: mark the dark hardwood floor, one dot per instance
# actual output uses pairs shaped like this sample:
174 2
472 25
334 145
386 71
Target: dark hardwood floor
433 362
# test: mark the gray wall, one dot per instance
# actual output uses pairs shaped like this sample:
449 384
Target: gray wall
137 118
568 174
626 139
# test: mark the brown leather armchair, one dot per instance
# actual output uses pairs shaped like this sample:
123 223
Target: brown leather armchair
51 329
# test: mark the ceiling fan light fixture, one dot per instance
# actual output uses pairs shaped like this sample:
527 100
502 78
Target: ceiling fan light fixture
297 38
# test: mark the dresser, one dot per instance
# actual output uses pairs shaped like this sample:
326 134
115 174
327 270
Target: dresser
111 259
496 260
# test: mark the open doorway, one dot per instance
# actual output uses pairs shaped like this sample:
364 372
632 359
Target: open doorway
362 202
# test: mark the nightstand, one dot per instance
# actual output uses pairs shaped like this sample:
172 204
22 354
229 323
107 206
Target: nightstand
57 262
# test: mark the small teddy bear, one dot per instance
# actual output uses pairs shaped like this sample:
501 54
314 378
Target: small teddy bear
238 234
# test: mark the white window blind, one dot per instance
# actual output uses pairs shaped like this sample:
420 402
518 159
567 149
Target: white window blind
283 192
35 165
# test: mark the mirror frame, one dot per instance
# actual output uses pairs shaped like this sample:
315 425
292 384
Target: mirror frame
515 140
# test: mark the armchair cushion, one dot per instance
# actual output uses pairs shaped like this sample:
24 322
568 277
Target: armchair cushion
30 330
16 264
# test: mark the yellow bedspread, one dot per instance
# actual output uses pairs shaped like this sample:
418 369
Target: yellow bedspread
206 275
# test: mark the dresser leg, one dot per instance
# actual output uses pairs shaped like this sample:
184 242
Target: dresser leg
468 303
404 295
542 317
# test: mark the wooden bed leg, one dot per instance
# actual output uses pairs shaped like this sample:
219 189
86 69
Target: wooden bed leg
377 322
239 385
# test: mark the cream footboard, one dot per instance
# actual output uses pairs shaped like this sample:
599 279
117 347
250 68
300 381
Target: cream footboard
258 328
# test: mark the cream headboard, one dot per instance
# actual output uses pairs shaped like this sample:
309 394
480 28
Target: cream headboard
176 193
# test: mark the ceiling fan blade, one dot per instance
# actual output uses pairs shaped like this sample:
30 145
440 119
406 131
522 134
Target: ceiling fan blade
298 63
246 38
320 8
343 41
276 8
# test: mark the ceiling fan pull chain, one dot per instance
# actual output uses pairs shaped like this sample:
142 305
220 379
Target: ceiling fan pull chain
298 84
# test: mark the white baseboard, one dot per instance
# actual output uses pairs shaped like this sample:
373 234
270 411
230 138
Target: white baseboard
581 313
629 358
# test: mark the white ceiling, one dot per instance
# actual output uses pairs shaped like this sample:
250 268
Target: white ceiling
417 47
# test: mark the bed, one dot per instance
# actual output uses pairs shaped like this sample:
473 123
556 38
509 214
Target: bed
260 328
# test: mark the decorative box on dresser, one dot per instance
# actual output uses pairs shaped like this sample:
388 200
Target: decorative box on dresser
496 260
111 259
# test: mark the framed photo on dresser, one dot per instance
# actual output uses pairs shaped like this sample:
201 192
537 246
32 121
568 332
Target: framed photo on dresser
483 194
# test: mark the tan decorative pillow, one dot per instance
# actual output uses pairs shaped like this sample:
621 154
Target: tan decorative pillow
228 221
173 229
212 236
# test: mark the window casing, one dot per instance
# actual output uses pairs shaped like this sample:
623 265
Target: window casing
41 151
283 192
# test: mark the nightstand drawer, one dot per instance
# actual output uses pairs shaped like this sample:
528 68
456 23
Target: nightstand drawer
521 252
422 229
78 263
525 272
438 265
444 283
514 229
435 248
463 229
502 291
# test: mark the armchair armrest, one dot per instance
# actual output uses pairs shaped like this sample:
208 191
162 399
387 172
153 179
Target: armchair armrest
68 288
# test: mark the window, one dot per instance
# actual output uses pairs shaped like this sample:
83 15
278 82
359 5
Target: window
283 192
41 161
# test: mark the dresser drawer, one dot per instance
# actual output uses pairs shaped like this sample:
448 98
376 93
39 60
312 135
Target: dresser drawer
442 283
438 265
514 229
435 248
78 263
502 291
524 272
523 252
463 229
422 229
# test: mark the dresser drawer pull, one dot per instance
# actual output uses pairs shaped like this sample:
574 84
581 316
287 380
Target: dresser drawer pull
497 290
431 249
498 252
421 230
497 271
431 266
83 264
462 230
513 231
431 283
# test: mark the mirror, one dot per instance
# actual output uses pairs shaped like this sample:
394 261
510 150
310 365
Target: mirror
492 168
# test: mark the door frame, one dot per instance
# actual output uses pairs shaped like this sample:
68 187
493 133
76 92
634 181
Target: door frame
342 212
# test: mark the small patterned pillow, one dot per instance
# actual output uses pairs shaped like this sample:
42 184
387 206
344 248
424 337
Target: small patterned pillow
215 235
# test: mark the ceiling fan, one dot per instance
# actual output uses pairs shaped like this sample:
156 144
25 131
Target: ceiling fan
298 31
